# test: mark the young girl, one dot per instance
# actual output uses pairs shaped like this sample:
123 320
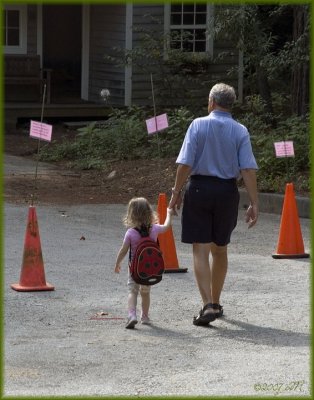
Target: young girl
139 215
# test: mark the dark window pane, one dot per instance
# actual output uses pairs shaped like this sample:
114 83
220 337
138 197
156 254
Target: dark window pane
200 34
13 18
188 46
175 19
176 8
188 19
200 8
188 8
200 46
200 19
188 35
13 37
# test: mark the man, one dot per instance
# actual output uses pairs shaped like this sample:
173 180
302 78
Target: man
215 152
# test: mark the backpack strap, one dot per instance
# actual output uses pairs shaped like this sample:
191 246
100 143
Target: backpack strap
144 232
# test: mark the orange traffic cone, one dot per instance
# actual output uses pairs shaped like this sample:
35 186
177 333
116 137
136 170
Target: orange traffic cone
32 276
166 240
290 242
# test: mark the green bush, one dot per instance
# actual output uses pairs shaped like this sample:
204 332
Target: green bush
124 136
274 172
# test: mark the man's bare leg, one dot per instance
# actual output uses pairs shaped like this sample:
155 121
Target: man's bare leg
218 270
202 271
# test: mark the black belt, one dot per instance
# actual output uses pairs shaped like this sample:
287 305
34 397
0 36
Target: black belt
210 178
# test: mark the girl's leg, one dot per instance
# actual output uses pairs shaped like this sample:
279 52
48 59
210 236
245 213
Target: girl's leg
132 298
145 294
132 302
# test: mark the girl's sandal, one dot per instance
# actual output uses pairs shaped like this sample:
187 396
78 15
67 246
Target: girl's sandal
204 319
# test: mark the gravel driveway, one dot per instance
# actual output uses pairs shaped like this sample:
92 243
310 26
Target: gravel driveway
72 341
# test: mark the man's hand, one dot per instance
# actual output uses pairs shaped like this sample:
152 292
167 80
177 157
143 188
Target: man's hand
170 211
175 202
183 172
251 215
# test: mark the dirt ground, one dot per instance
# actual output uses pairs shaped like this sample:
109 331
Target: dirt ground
116 184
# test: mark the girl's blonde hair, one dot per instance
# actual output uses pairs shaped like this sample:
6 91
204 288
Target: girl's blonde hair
139 213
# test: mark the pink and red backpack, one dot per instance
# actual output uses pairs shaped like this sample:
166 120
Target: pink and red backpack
147 265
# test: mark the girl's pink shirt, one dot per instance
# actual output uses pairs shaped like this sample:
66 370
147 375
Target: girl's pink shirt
132 236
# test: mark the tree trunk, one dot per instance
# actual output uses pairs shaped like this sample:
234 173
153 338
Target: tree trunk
300 73
261 74
265 93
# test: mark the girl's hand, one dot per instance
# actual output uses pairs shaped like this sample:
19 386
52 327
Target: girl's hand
170 211
117 269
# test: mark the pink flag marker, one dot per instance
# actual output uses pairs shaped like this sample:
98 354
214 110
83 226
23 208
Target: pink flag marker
40 130
284 149
157 123
162 122
151 125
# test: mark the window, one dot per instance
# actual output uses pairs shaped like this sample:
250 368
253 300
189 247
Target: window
188 25
14 29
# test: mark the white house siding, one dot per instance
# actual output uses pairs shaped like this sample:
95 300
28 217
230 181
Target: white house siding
107 29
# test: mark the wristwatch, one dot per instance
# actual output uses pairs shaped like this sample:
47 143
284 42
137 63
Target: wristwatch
177 192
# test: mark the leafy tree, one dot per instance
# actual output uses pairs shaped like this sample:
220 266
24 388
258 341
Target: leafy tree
299 47
275 44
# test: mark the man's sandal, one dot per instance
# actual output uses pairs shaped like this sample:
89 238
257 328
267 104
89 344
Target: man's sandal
217 306
204 319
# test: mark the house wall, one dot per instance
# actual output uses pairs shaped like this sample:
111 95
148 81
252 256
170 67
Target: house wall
20 92
144 17
141 81
32 29
107 29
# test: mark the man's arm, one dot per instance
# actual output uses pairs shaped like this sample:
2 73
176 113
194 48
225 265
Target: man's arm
183 172
250 182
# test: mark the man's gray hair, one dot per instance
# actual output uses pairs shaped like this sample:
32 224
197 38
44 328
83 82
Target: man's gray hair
224 95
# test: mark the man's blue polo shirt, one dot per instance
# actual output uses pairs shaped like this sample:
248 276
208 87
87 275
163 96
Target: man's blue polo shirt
217 145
